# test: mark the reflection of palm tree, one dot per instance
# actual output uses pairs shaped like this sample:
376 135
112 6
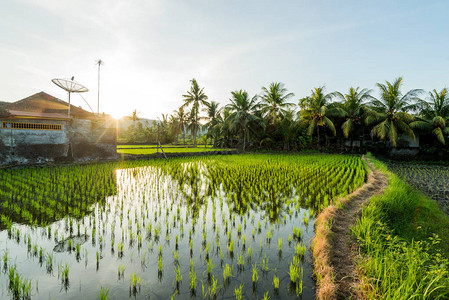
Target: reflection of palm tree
315 110
195 97
273 102
242 113
353 109
435 114
390 112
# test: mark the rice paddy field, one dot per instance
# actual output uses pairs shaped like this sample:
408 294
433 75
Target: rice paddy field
432 180
152 150
215 227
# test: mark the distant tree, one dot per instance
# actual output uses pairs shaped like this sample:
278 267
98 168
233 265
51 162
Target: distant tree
213 117
181 117
242 115
197 98
273 102
353 109
390 112
434 114
315 110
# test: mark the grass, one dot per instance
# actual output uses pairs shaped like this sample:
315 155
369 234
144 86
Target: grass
152 150
404 240
154 146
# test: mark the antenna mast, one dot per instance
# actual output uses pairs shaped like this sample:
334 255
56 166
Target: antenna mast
99 62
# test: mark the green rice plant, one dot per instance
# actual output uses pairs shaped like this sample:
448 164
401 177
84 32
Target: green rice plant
238 292
65 274
280 244
210 266
231 247
240 261
178 275
294 273
192 276
160 264
213 288
265 296
121 271
255 276
248 254
120 248
226 273
300 250
276 282
176 256
103 295
265 267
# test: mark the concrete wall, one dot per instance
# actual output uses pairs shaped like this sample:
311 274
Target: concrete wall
79 140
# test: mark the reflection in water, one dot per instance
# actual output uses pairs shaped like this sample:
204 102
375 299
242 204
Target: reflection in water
196 227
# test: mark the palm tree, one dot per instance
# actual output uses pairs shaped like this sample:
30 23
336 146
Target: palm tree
274 103
434 114
134 117
242 113
181 119
390 112
213 116
195 97
353 109
314 109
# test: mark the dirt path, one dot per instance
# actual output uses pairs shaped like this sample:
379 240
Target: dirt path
333 249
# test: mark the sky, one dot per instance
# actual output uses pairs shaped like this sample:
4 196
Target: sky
152 48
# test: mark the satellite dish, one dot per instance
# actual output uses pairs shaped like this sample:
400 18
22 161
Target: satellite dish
71 86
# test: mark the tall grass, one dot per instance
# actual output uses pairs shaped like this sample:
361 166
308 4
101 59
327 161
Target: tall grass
403 239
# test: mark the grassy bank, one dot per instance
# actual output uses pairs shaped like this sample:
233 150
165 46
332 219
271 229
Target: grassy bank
404 241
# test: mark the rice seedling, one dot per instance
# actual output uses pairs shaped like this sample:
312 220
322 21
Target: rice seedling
238 292
103 295
276 282
255 276
192 276
121 271
210 267
265 296
160 264
226 273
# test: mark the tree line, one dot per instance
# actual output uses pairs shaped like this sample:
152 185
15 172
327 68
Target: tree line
270 120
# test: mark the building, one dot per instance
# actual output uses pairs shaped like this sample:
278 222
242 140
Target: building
37 129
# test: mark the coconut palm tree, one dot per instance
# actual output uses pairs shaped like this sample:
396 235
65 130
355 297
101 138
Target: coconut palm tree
353 109
242 115
390 112
181 117
273 102
195 97
315 110
213 115
434 114
134 116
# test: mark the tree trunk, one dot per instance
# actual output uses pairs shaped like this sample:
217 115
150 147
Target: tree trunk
243 147
318 137
194 135
184 136
352 141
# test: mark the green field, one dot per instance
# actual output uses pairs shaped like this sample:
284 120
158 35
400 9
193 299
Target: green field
152 150
164 146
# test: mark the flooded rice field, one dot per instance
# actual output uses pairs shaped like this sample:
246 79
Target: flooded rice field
222 227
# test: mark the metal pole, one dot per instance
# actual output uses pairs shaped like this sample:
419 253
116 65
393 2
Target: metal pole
68 112
98 105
